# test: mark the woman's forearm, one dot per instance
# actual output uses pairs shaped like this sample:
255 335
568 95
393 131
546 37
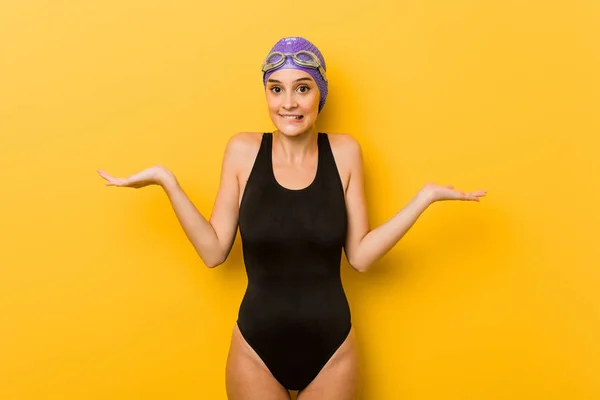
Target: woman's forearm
196 227
381 239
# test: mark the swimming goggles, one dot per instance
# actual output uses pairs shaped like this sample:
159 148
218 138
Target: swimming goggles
302 58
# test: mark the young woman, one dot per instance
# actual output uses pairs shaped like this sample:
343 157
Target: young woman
297 197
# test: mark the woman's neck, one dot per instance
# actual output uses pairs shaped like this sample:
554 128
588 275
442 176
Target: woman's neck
295 148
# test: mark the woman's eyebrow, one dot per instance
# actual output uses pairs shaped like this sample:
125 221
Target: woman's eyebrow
299 79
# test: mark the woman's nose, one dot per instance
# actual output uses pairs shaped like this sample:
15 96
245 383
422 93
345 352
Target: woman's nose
289 100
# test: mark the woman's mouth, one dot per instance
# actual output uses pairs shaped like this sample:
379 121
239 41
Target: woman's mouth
292 118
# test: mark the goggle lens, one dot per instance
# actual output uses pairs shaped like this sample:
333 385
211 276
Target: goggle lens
274 58
302 58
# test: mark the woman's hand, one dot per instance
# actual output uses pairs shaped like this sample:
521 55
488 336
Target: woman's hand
436 192
155 175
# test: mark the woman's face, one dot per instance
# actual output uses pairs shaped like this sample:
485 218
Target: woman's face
292 92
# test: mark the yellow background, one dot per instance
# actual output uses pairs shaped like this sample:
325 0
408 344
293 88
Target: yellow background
103 297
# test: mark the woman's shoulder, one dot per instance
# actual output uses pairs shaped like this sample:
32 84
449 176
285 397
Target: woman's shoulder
242 148
242 139
242 143
344 146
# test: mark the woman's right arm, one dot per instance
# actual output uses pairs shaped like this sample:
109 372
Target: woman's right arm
212 238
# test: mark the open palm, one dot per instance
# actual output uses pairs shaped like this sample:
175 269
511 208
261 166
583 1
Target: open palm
149 176
447 192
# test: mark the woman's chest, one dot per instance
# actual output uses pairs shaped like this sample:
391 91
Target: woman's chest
273 214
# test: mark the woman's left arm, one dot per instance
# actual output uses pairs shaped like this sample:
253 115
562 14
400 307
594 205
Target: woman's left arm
363 245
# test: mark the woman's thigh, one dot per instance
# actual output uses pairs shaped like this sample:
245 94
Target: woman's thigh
246 376
338 380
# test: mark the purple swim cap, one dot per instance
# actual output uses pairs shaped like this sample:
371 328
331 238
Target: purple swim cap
292 45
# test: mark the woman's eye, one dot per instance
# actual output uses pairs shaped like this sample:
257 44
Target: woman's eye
277 89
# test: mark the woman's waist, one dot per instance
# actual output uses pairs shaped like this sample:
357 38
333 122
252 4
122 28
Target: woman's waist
295 310
304 299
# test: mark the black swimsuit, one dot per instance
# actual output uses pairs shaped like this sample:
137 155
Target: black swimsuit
294 313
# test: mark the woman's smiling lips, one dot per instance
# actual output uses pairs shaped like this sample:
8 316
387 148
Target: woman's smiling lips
292 117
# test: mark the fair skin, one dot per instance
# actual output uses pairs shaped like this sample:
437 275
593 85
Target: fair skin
290 91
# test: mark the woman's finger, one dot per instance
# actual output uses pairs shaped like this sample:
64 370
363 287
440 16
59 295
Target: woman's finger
106 175
114 181
468 196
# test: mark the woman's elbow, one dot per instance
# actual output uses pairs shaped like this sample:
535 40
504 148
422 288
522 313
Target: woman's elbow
214 261
358 265
212 265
